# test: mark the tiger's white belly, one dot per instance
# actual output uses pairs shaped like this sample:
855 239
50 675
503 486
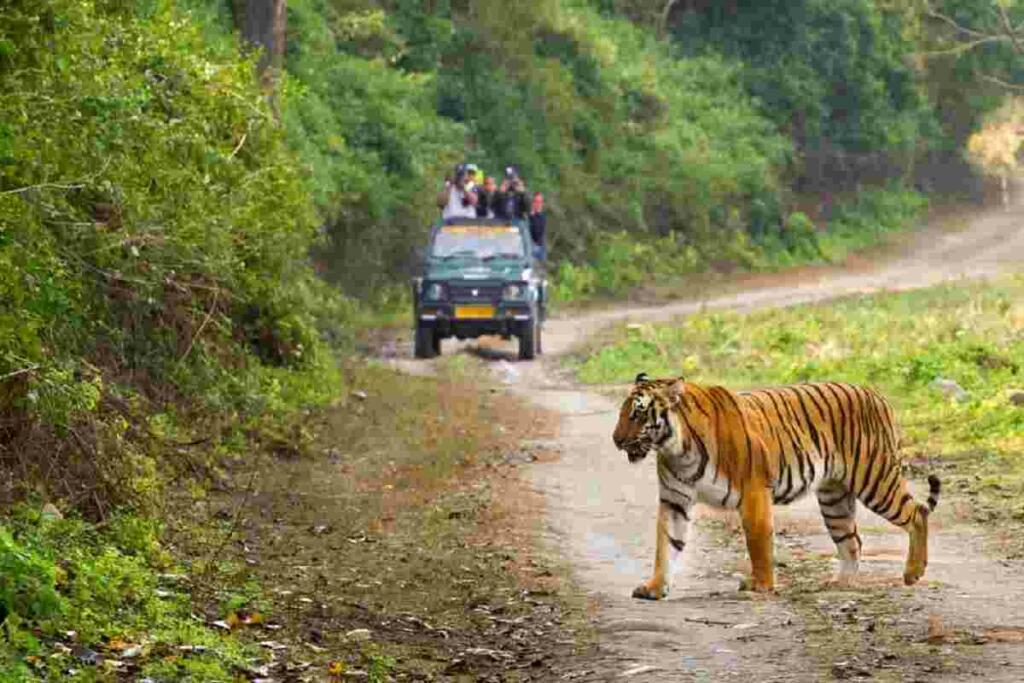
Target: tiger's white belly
716 491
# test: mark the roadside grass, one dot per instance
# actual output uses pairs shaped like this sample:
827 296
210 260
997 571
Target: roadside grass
408 520
899 343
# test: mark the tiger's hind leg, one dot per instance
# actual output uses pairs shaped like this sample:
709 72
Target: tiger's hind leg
839 511
893 501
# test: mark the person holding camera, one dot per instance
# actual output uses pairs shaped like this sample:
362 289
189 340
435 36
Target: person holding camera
456 200
485 196
510 200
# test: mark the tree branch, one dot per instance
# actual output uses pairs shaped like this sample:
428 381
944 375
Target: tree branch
206 320
22 371
1008 28
965 47
1004 84
935 14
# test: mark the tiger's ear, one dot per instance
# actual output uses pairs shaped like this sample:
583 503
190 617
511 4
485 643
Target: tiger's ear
642 377
677 388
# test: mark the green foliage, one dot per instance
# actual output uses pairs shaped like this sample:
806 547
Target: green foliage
966 77
842 75
154 226
27 582
622 261
863 221
370 137
64 575
618 133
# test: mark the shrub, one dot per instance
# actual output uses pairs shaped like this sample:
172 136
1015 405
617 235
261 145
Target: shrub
27 582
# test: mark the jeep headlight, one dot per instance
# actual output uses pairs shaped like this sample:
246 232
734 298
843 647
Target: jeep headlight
435 291
515 292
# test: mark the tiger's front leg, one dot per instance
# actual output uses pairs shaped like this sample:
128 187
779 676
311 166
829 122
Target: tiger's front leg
672 528
758 526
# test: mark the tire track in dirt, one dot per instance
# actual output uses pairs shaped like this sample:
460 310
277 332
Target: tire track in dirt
601 513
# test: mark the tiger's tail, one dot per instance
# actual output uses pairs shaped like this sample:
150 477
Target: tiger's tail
934 489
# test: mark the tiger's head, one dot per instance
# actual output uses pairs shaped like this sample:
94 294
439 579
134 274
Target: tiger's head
644 416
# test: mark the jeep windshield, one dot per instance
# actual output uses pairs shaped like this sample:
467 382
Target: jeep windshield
477 241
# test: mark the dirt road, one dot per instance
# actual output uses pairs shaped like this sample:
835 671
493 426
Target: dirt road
965 621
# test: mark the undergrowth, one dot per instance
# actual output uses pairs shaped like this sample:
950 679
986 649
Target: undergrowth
159 322
80 601
622 262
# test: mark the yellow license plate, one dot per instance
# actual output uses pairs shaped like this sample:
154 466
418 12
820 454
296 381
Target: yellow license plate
474 312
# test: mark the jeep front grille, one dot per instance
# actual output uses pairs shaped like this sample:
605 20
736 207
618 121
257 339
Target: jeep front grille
475 292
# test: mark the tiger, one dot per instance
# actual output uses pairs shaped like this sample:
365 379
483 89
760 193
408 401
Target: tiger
750 450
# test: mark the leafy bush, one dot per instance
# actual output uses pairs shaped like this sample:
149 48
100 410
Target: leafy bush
620 262
27 582
64 580
870 215
842 79
154 238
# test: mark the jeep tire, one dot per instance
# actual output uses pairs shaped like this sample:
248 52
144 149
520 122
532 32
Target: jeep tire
529 340
426 345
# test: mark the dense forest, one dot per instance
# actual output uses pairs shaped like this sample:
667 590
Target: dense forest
200 198
671 134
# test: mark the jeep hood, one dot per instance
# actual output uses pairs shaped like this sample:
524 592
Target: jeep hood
475 269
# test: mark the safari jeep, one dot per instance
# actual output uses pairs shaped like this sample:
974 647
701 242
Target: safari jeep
480 278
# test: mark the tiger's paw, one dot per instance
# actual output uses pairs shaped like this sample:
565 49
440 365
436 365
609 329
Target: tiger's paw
912 574
747 583
841 581
647 592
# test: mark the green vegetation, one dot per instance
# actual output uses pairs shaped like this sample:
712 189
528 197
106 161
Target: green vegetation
619 133
153 228
823 85
103 602
658 158
158 315
897 343
620 263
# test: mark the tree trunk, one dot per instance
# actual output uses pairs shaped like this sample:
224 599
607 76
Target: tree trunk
262 23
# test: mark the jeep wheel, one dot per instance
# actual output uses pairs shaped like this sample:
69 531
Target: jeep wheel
427 345
539 337
528 341
437 345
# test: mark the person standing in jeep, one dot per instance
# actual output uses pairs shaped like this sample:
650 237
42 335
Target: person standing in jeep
510 200
538 227
456 200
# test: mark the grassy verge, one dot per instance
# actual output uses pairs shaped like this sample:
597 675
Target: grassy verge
898 343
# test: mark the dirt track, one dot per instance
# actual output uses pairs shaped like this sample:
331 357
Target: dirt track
965 621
